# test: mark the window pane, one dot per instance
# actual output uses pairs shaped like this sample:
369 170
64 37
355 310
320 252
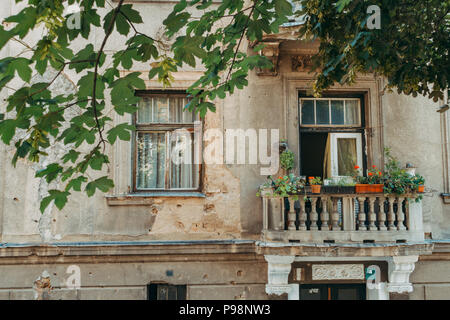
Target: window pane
145 111
351 112
323 112
337 112
151 160
161 110
347 156
184 173
308 112
163 293
178 114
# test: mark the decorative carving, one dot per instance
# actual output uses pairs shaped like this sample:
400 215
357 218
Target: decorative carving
270 51
278 271
301 62
337 271
400 268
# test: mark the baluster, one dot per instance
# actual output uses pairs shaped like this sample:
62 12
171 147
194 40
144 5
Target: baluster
291 214
325 215
335 215
302 215
313 216
265 212
391 214
361 214
400 214
372 216
381 216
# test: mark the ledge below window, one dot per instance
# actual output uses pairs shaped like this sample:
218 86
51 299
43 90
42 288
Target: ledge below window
148 198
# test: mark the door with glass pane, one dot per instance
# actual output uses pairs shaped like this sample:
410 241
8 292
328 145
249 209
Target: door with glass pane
345 152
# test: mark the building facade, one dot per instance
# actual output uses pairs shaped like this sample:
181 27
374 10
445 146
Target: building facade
199 231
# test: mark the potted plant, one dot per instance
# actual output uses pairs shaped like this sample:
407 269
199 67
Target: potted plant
283 186
361 182
287 160
417 183
398 181
376 180
315 183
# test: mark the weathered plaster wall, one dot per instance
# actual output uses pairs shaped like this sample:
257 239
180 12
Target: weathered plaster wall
412 128
233 280
230 208
217 215
431 280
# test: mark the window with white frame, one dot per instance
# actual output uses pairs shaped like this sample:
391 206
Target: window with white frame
164 156
331 136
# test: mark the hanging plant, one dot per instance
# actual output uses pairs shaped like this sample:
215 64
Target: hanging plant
287 160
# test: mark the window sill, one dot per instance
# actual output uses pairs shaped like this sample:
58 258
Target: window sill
148 198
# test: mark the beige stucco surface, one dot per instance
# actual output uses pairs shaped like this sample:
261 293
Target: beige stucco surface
230 208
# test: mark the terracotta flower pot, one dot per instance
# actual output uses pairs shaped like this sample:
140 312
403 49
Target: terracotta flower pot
315 188
362 188
421 188
376 188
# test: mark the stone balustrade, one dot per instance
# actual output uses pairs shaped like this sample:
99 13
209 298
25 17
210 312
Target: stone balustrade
341 218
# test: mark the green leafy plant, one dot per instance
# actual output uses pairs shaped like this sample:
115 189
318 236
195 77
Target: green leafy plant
285 185
358 177
315 180
287 160
375 176
397 180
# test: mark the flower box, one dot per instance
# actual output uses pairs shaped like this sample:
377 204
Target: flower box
369 188
338 189
376 188
362 188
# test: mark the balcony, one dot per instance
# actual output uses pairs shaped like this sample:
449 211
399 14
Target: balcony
342 218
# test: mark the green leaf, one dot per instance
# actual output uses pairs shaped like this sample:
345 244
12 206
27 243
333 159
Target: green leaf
103 184
121 131
131 14
60 198
50 173
76 183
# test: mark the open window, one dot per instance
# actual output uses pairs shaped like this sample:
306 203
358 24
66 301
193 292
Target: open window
331 135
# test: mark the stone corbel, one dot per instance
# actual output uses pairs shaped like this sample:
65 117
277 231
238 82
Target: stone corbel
279 268
272 52
400 268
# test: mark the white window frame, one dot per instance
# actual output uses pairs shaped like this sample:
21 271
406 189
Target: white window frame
334 150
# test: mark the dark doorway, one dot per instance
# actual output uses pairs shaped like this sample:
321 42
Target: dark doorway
332 292
312 153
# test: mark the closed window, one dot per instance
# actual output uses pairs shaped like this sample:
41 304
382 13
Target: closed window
164 149
333 112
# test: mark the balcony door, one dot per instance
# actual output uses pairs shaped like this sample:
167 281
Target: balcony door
331 136
333 291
